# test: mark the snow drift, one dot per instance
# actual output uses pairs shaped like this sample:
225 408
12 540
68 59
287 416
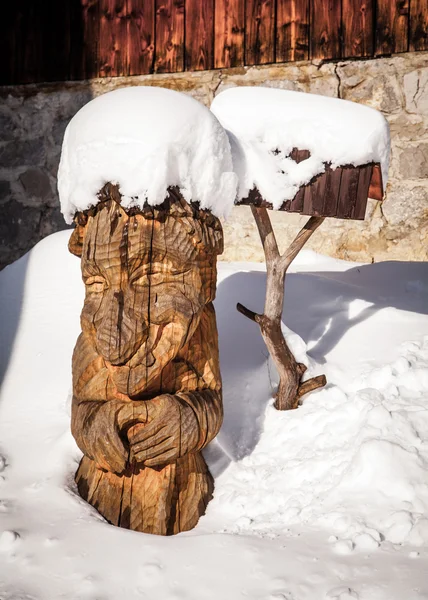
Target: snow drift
327 501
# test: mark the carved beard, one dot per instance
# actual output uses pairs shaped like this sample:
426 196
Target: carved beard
145 293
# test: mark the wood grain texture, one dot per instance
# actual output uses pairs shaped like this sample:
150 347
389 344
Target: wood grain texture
260 32
141 36
357 28
418 25
229 33
113 40
292 30
199 35
392 21
169 51
325 29
146 381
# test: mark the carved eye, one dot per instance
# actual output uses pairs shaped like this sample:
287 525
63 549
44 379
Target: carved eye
95 284
142 281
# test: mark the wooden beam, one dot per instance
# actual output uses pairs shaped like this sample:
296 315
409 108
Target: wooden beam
229 33
418 25
392 26
325 29
292 30
113 41
357 28
169 51
260 32
141 36
199 53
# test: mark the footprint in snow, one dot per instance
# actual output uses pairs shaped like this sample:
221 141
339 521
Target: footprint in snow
8 539
2 463
342 593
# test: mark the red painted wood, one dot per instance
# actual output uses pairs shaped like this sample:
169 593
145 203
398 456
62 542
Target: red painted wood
392 26
357 28
113 42
229 33
260 32
199 27
376 190
418 25
292 30
325 29
141 36
169 51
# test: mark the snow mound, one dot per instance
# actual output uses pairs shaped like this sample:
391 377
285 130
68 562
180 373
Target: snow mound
322 502
145 139
265 124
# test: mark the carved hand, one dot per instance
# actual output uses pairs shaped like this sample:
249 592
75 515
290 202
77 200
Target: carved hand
171 431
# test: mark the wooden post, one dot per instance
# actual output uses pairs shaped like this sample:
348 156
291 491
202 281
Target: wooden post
146 380
290 388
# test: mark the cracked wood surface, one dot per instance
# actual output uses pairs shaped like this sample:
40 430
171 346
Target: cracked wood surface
146 381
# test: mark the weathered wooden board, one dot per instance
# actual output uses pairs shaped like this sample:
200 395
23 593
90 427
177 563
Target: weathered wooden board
325 29
392 23
357 28
199 35
418 25
292 30
229 33
113 40
341 192
141 36
169 50
260 32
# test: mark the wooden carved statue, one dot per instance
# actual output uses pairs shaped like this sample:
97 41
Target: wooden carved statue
146 381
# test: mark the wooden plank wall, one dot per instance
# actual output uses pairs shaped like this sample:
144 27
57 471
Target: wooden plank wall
50 40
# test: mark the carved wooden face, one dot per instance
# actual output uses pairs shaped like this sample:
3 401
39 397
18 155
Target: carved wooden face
146 285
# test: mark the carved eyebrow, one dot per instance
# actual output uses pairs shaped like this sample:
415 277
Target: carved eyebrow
91 267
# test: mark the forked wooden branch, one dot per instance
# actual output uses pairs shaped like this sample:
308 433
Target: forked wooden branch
290 388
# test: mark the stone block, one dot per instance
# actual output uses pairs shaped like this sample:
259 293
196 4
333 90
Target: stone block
406 205
416 91
7 127
5 191
22 153
36 182
375 83
413 162
19 229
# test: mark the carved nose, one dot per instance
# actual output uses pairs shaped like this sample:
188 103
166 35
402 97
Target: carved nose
119 333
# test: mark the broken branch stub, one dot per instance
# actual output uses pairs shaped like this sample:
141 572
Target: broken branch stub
290 388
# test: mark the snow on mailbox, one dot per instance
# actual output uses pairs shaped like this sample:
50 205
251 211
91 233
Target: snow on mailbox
306 154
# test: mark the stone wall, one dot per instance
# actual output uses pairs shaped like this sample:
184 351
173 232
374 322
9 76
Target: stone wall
33 119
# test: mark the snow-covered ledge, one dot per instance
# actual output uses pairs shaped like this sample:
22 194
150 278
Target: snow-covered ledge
33 119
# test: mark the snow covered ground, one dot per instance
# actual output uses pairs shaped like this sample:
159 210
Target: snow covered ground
329 501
